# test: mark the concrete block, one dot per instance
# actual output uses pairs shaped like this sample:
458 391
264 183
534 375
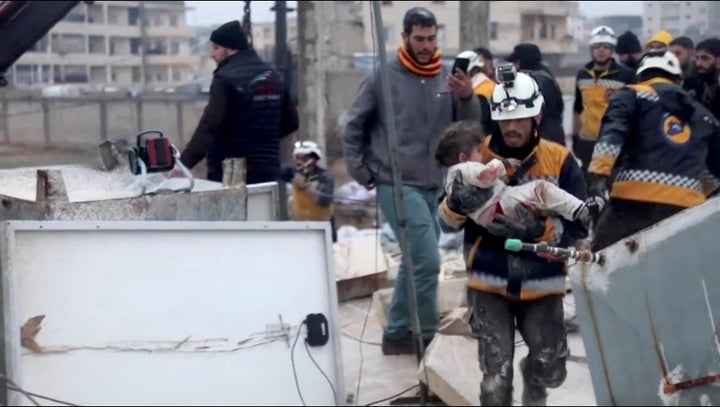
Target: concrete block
456 323
360 267
451 294
451 370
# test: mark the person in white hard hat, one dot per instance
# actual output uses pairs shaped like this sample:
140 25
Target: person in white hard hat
508 291
658 141
596 83
312 186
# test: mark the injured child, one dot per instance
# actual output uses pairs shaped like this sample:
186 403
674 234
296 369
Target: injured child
460 151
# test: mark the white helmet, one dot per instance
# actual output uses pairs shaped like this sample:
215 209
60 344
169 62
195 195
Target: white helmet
518 99
307 147
472 56
603 35
667 61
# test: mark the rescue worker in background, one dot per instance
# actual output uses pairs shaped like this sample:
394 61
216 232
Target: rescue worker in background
521 290
660 41
629 50
527 58
312 185
488 62
705 88
596 83
249 111
658 166
482 86
684 50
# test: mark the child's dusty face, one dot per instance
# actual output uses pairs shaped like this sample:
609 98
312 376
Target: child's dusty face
476 155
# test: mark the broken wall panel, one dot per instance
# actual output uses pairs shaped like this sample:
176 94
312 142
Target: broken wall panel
649 317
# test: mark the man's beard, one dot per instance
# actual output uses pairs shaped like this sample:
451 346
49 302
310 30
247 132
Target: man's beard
709 75
414 56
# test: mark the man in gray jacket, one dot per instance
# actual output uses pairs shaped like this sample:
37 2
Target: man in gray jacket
426 98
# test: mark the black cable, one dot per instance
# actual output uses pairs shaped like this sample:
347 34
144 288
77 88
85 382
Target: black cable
18 389
292 361
11 385
394 396
322 372
312 359
378 228
54 400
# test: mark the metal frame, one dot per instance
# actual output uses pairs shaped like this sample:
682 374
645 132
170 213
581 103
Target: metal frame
7 239
274 189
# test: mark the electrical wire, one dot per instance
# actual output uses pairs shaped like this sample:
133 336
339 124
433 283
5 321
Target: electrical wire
377 238
394 396
322 372
314 362
11 385
292 362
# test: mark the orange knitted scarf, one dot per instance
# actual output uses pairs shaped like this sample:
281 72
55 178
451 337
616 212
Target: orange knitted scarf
428 70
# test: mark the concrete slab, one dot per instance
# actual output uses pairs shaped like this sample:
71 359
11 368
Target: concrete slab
451 294
384 376
360 267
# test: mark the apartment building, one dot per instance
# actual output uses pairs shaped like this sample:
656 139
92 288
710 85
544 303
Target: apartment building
545 23
102 43
697 19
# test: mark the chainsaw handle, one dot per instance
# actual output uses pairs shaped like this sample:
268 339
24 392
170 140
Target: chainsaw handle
142 139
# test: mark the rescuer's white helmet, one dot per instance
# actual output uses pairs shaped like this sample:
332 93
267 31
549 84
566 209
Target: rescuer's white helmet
472 56
515 97
667 61
603 35
307 147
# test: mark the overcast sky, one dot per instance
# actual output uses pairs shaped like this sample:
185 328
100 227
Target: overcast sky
217 12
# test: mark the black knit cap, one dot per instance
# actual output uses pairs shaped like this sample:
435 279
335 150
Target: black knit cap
628 43
230 35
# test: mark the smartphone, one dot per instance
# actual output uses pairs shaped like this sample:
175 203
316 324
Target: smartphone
461 64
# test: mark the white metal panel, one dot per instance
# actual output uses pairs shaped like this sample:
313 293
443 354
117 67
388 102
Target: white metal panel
263 204
198 289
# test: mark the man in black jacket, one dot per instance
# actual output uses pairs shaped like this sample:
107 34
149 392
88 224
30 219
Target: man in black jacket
248 113
527 58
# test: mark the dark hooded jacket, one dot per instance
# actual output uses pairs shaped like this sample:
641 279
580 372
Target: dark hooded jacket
248 113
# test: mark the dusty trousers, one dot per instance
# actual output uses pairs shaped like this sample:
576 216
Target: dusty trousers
621 218
540 322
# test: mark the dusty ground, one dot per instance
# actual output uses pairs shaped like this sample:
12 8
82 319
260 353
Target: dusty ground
384 376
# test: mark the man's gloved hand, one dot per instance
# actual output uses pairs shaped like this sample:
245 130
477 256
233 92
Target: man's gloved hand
465 199
590 211
598 186
527 227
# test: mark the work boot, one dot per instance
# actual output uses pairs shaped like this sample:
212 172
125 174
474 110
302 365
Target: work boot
532 395
404 346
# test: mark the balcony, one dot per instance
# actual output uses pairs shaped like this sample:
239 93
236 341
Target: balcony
172 59
41 58
125 31
549 8
171 32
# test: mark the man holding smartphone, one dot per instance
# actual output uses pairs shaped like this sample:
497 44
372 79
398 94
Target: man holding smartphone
426 98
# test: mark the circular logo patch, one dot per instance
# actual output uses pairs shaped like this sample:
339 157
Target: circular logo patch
674 129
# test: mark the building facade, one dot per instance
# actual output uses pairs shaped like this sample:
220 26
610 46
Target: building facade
696 19
102 43
545 23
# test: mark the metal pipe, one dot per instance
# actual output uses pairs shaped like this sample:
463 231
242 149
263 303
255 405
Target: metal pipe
281 62
387 105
